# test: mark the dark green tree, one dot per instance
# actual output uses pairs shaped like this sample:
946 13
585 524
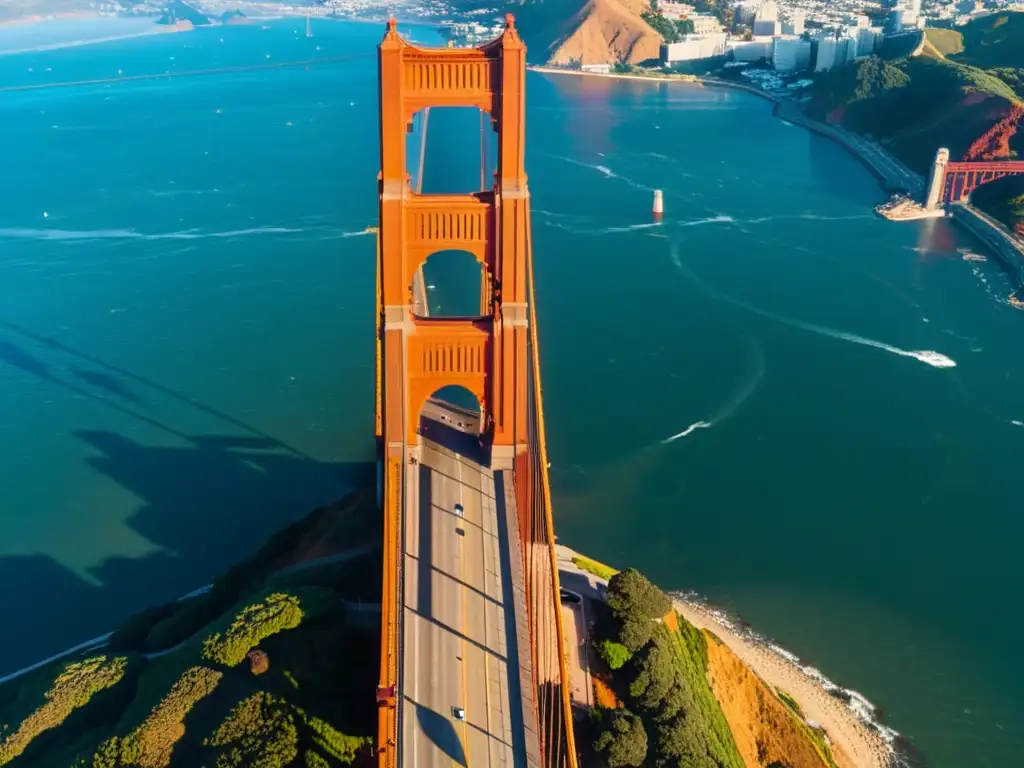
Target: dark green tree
656 673
635 632
623 741
632 596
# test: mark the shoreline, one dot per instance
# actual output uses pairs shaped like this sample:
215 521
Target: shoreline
850 726
891 173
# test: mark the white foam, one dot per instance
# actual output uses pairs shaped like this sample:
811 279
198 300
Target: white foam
689 430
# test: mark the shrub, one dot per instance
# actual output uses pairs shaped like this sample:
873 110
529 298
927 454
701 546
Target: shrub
600 570
335 743
151 744
259 620
623 741
615 655
73 688
260 732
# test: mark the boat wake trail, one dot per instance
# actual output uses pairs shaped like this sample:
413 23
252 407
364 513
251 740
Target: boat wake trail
690 429
746 388
927 356
604 170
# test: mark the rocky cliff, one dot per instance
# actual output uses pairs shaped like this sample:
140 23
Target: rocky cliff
561 32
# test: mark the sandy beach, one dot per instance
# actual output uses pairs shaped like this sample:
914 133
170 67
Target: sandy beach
860 742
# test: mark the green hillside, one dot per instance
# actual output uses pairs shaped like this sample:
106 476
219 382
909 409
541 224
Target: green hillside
268 669
963 92
993 41
913 105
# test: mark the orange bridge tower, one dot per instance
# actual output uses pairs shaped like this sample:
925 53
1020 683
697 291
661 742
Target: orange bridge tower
487 354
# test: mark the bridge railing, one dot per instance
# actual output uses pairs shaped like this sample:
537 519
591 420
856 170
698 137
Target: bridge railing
533 502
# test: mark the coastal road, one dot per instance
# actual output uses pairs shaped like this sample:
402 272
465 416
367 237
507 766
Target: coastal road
455 638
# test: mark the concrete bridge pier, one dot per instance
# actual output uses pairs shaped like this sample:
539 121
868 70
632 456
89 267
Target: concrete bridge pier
937 180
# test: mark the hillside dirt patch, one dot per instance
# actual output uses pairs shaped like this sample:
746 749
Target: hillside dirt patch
765 729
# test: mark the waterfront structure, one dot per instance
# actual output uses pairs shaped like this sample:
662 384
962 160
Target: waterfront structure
513 673
791 54
597 69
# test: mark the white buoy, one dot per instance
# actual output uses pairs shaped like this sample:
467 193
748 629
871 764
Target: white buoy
659 205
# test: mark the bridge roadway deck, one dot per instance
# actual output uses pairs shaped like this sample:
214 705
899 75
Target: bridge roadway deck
464 637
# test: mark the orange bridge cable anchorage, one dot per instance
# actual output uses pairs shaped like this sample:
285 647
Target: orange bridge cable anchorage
538 394
241 68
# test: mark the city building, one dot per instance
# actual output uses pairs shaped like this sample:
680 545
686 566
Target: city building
826 57
766 21
694 47
704 24
600 69
749 50
791 54
676 11
794 25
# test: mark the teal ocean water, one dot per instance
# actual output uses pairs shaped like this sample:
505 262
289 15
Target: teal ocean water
186 358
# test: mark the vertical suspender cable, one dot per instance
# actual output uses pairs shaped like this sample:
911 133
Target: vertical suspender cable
483 154
423 150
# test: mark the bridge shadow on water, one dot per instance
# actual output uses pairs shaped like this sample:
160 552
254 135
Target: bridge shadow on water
204 503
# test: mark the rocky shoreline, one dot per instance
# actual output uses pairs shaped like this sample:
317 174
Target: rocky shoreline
845 715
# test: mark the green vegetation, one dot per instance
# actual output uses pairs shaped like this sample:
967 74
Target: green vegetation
600 570
663 684
300 700
623 739
256 622
790 702
993 41
670 31
74 686
615 655
913 105
962 93
944 42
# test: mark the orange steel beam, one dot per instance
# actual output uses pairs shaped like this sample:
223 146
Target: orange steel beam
548 518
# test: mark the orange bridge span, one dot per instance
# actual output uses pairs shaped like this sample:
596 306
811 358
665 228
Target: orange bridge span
473 659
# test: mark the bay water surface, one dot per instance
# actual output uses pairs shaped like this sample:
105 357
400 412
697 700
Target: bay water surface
738 399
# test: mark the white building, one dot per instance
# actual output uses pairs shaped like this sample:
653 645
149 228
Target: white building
791 54
675 11
750 50
794 25
827 49
766 21
694 47
600 69
704 24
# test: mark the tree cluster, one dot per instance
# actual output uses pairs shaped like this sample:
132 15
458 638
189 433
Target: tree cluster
671 712
670 31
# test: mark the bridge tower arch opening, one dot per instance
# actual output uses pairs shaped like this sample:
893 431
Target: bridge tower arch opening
451 150
452 283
